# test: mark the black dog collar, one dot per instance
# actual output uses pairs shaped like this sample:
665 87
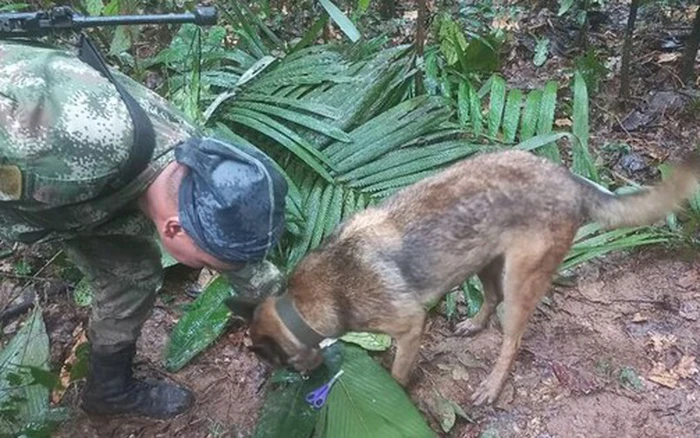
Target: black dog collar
291 318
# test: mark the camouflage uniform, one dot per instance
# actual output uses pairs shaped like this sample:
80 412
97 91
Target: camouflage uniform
65 126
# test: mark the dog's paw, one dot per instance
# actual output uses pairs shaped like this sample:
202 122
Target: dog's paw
487 392
469 327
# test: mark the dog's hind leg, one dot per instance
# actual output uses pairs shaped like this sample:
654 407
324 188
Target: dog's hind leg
529 266
491 278
408 335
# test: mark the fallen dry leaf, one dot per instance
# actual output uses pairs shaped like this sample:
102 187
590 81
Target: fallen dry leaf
79 338
660 342
505 24
460 373
410 15
206 275
562 123
444 367
638 317
663 377
689 280
686 367
668 57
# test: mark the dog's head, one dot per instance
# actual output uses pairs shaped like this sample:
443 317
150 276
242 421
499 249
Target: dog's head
272 341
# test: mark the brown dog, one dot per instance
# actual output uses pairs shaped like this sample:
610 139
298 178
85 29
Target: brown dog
509 217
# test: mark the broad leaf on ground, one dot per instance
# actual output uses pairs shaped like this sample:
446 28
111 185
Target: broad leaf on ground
200 325
367 401
24 366
369 341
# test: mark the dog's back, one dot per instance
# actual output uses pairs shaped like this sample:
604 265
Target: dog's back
448 226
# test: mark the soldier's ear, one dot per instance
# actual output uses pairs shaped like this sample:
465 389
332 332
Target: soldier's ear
242 307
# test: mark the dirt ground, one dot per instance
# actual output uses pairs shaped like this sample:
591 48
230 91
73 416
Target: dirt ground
613 355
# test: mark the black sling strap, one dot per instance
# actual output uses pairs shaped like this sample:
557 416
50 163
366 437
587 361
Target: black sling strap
144 135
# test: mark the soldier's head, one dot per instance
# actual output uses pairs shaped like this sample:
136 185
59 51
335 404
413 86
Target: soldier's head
217 205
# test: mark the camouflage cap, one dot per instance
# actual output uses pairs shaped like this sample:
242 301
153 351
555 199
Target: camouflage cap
231 201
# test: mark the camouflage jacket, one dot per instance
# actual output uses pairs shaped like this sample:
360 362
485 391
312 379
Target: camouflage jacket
65 125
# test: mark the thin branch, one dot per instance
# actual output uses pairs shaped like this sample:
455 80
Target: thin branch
690 53
627 51
420 43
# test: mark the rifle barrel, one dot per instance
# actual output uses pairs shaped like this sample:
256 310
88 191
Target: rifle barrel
117 20
62 18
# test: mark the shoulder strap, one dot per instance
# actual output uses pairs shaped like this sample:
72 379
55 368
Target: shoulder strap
144 135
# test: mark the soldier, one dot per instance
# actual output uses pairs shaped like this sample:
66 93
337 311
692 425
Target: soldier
67 138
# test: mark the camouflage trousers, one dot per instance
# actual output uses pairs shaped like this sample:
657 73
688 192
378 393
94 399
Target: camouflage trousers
125 274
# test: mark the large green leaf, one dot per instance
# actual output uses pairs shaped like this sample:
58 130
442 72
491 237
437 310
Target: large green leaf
285 412
366 401
530 114
94 7
496 105
546 120
202 323
591 242
341 20
281 134
82 293
463 102
511 115
369 341
22 360
583 163
534 143
475 111
564 6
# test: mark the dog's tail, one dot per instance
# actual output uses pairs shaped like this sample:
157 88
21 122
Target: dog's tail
646 206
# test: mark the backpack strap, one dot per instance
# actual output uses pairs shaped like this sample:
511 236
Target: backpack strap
144 135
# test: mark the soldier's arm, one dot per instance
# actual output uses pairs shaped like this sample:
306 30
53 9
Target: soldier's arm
256 280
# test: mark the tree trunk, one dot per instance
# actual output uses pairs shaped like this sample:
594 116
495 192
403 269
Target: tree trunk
420 42
387 9
626 51
690 53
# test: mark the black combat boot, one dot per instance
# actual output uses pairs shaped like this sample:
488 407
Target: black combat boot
112 390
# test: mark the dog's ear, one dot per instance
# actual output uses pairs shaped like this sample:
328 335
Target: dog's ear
242 307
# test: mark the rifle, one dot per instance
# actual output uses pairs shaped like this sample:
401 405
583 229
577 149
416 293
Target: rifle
64 18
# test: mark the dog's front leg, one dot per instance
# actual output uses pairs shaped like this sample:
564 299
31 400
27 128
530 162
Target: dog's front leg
407 347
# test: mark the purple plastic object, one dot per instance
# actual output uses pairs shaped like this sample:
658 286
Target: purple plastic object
317 398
